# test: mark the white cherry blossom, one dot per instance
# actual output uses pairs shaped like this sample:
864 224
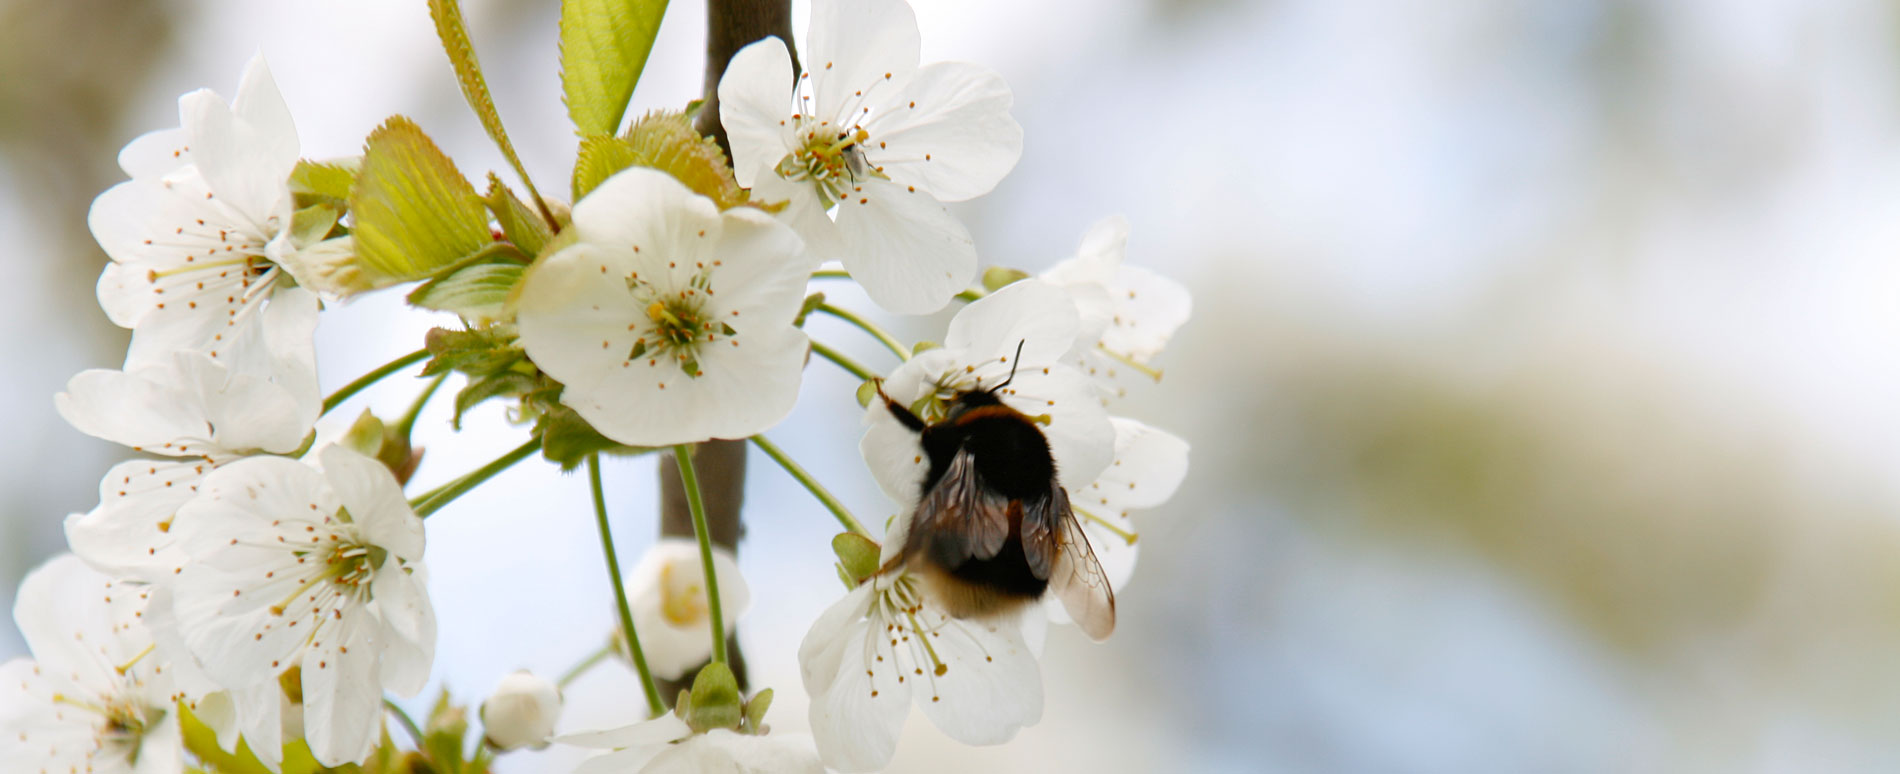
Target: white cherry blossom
1128 312
521 712
190 234
886 645
666 592
667 320
1148 467
980 351
93 698
320 569
884 142
194 410
667 745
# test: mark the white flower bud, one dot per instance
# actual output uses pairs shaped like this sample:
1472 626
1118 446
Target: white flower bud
666 592
521 712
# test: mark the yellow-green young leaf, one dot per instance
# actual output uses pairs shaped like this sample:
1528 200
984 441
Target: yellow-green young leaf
599 159
522 227
475 292
453 31
324 180
667 141
414 213
604 46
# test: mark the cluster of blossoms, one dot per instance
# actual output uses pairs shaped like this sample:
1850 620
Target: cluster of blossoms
238 576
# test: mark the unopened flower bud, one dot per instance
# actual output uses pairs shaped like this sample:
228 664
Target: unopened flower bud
667 594
521 712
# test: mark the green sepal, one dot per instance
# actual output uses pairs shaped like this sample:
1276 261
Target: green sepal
812 302
365 435
844 576
413 212
567 439
311 224
924 346
315 182
997 277
755 711
867 392
604 46
478 352
715 702
857 553
518 223
478 293
443 734
506 383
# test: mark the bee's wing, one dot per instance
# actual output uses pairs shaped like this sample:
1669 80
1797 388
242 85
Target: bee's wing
1058 549
958 519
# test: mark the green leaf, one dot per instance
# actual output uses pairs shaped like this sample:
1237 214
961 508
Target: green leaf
715 699
443 733
857 553
604 46
567 439
311 224
453 31
324 180
518 223
414 214
666 141
475 292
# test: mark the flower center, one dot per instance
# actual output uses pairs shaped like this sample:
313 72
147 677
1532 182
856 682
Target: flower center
675 324
831 159
682 597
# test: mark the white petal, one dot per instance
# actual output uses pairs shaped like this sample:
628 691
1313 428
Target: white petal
656 731
948 132
764 269
991 686
408 628
78 623
260 105
858 704
369 490
247 170
910 254
1149 308
155 154
648 208
720 750
290 326
755 102
260 712
893 453
804 211
129 533
134 409
851 46
161 747
1039 316
342 699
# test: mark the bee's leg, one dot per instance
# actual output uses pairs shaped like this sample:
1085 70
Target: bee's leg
904 416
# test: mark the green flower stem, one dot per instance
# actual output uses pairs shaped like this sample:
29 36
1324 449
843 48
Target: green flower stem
883 336
818 348
408 724
683 454
436 498
654 707
831 274
408 421
593 659
811 485
373 377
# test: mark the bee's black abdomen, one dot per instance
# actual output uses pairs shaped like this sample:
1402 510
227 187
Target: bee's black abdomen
1005 574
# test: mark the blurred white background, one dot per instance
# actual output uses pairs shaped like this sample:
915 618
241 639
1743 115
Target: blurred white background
1544 380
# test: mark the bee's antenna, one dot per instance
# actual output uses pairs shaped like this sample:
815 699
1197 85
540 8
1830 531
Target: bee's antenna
1017 360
